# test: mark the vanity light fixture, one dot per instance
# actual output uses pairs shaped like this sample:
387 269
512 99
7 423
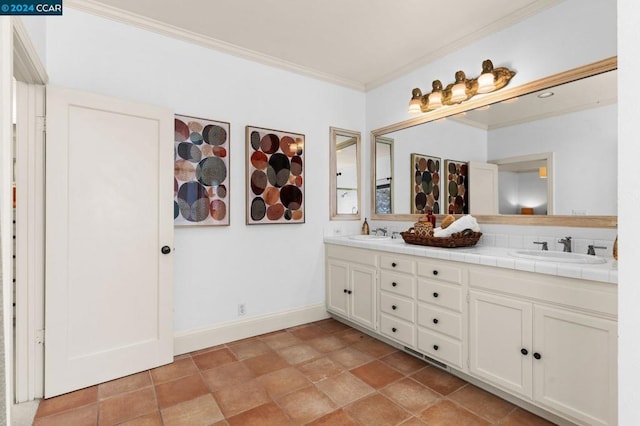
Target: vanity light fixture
462 89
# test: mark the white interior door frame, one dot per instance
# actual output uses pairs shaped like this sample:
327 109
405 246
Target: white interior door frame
6 213
27 68
29 251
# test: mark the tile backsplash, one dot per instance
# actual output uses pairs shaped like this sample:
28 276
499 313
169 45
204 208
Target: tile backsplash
516 236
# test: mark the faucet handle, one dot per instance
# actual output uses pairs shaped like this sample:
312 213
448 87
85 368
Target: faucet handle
591 249
544 244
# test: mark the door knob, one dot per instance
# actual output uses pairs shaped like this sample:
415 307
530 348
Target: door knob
165 249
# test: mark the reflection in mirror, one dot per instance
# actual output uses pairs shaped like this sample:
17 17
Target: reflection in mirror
345 174
573 133
526 184
384 173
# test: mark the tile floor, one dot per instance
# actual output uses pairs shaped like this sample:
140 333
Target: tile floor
323 373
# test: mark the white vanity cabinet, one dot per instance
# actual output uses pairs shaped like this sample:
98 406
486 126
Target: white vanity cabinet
547 339
351 284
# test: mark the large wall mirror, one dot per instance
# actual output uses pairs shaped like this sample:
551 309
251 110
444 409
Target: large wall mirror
344 174
551 143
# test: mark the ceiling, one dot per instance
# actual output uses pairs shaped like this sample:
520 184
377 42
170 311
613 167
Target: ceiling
356 43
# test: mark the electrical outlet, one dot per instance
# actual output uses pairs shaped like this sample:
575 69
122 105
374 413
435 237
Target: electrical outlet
242 309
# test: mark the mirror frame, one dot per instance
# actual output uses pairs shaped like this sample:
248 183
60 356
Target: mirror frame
333 170
599 67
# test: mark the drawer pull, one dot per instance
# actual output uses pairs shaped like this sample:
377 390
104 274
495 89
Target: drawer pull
435 294
536 355
523 351
435 272
435 320
393 264
394 284
394 329
435 347
394 307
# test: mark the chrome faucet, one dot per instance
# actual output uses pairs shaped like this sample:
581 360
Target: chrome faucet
383 230
544 244
567 244
591 249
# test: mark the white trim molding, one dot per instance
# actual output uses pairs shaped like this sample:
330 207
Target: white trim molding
193 340
28 66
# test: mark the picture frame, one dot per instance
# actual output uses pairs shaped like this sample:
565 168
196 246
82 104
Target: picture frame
457 187
425 184
275 183
201 184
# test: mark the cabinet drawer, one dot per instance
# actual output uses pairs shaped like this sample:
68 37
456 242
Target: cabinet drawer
395 263
397 306
350 254
398 330
438 271
397 283
440 347
440 320
444 295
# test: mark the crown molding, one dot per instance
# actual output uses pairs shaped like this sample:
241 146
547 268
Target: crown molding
143 22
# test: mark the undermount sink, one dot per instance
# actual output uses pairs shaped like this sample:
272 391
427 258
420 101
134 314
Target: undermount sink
370 237
558 256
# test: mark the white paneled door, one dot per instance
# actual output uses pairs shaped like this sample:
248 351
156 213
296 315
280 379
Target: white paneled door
109 239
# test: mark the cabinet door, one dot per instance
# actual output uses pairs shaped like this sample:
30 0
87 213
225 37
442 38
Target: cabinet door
337 284
576 371
500 341
362 300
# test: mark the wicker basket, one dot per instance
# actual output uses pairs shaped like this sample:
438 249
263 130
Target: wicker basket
460 239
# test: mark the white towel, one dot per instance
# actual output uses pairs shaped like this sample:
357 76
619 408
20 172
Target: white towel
465 222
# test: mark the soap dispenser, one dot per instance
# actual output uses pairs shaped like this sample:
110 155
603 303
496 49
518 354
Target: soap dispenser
365 227
431 218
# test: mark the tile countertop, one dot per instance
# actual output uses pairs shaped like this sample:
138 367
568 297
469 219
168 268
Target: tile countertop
489 256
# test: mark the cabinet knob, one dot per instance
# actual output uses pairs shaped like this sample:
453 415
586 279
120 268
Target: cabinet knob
345 290
435 320
394 307
435 272
435 294
394 329
349 292
165 250
394 284
435 347
393 264
523 351
536 355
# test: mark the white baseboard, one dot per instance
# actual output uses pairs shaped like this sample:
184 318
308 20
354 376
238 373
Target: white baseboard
193 340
